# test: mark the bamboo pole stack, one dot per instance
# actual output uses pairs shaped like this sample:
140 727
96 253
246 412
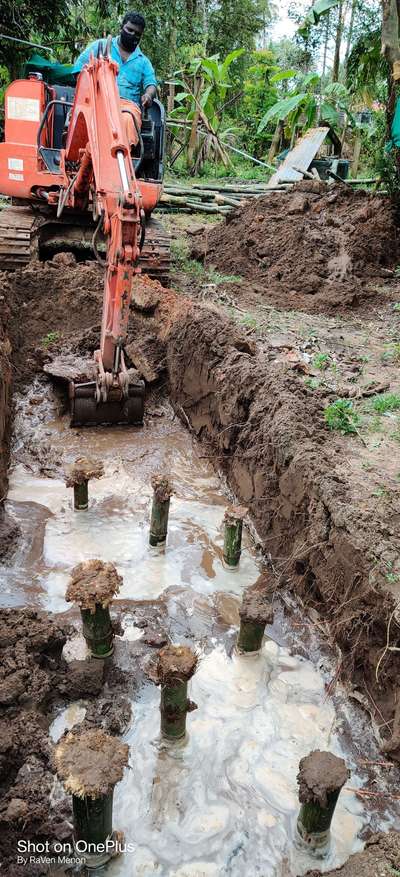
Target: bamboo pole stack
218 198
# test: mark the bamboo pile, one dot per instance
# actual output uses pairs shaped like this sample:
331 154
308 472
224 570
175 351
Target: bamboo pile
218 198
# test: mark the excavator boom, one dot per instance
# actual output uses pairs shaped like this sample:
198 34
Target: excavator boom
98 142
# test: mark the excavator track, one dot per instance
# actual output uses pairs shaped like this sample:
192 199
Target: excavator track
155 258
18 242
25 235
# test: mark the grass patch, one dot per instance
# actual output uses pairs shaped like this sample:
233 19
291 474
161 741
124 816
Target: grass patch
391 353
217 278
341 416
383 402
181 261
321 361
249 321
312 383
50 338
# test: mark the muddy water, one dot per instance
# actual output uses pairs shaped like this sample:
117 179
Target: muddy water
224 802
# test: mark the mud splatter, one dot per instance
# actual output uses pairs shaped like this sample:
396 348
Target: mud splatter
162 487
93 582
83 470
320 773
90 763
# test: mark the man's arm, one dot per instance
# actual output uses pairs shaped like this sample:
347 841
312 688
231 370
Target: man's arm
149 84
84 57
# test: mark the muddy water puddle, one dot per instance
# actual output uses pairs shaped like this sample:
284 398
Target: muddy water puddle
225 801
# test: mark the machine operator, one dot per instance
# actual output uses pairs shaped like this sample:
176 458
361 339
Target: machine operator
136 78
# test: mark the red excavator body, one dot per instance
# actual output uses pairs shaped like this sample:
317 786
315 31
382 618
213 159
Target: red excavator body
78 178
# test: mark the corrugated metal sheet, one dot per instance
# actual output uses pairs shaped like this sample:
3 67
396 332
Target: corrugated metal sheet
299 157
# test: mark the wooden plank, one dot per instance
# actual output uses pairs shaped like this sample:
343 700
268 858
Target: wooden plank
299 157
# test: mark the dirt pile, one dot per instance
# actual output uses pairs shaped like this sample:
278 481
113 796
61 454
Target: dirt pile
306 249
30 662
380 857
41 304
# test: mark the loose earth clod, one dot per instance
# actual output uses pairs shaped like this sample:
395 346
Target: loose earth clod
255 613
160 510
92 585
90 764
321 777
174 667
233 521
78 476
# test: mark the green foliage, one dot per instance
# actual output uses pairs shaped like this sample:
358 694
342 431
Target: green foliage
384 402
4 82
182 262
50 338
300 108
25 20
259 94
321 361
203 85
391 353
312 383
373 139
341 416
320 8
234 24
366 65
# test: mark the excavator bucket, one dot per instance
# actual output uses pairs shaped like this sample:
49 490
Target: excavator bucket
86 411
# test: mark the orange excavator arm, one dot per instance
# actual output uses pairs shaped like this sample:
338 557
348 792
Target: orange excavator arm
97 143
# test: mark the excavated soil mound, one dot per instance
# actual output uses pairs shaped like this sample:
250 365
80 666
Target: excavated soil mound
307 250
43 303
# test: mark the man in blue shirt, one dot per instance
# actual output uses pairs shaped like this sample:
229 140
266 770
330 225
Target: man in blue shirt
136 78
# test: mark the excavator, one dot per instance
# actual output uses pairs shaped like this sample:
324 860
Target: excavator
67 166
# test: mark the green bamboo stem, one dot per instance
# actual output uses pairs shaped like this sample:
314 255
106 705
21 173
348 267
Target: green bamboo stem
98 632
174 708
233 542
93 825
159 521
321 777
90 764
250 636
81 496
314 822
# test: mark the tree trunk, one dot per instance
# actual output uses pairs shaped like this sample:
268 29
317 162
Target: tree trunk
391 51
390 31
338 43
350 34
326 41
273 149
356 156
193 139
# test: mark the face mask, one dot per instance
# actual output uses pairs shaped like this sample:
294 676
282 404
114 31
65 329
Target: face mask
129 41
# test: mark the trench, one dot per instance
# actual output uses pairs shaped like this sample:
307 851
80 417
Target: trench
225 800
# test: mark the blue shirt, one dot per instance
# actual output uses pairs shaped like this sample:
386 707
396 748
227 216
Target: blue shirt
135 74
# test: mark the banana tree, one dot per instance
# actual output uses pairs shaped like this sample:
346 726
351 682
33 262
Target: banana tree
320 8
203 85
306 104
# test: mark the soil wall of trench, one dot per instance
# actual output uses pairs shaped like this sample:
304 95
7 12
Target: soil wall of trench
266 432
